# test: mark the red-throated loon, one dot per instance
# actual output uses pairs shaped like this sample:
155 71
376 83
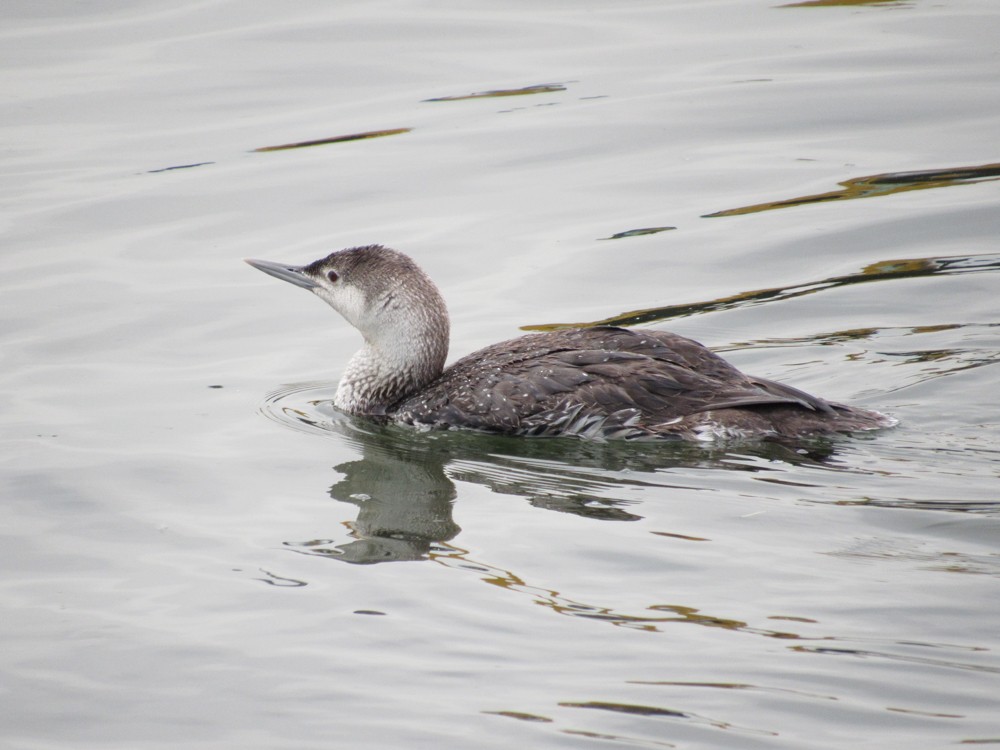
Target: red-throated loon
601 382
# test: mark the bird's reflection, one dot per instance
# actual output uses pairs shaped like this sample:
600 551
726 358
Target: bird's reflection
404 489
404 501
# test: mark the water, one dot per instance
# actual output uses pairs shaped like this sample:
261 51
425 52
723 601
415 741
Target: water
199 551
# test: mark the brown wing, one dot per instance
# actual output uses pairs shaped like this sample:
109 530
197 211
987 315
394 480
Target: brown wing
589 381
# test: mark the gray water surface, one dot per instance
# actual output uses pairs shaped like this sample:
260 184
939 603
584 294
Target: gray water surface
199 551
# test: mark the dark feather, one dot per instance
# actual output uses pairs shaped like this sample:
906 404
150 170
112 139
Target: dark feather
613 382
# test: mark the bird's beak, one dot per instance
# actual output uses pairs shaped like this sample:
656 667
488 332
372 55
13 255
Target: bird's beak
292 274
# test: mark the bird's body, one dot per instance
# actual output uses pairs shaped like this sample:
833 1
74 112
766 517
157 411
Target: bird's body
601 382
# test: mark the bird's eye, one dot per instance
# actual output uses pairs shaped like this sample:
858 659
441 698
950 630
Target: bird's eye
332 275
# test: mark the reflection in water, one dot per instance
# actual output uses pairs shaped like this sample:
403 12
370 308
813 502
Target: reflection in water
816 3
404 489
620 739
955 561
275 580
909 658
885 270
542 88
333 139
638 232
936 363
650 620
180 166
660 712
929 362
521 716
879 184
882 549
404 504
732 686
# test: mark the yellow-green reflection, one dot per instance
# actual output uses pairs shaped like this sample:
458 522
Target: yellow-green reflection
520 715
334 139
817 3
885 270
560 604
876 185
544 88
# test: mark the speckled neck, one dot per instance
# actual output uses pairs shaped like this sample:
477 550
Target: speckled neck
379 376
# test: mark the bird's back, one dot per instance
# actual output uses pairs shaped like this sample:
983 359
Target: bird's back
606 382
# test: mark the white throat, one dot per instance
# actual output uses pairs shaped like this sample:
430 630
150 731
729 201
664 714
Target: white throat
405 348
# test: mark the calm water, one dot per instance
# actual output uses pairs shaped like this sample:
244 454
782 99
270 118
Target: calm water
198 551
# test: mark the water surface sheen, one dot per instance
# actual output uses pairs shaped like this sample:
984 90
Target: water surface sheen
199 550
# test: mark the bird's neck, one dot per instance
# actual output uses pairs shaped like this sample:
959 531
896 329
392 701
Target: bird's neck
391 366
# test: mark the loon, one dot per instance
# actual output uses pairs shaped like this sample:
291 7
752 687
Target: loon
600 382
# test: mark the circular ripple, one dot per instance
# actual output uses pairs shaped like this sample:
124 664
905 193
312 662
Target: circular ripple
305 407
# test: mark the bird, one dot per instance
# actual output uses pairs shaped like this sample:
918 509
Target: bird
600 382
